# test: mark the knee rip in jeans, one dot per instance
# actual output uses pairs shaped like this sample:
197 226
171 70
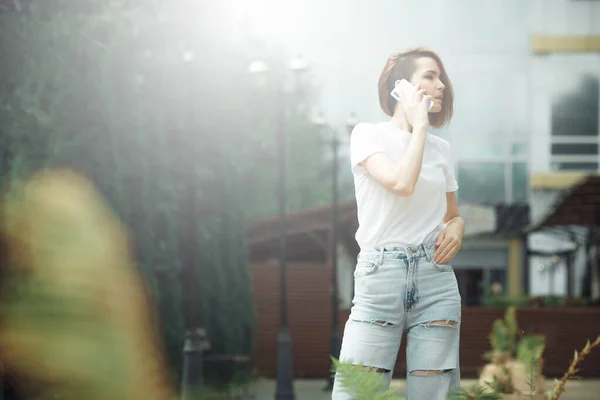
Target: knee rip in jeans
424 372
441 323
376 322
373 369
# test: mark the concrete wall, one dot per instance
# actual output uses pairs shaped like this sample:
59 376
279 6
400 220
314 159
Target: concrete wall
564 17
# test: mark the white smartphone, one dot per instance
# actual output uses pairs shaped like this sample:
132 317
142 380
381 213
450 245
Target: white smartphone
405 85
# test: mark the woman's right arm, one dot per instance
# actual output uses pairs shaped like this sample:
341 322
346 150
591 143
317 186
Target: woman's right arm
399 177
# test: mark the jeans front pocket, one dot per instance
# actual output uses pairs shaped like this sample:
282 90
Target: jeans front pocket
430 251
442 267
365 268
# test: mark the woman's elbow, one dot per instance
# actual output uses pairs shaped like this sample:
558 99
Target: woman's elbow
396 186
403 190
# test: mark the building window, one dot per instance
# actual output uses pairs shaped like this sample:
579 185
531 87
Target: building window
493 182
481 182
574 127
520 182
475 284
490 150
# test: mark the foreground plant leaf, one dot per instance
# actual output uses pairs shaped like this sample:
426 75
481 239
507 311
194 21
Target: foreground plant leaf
75 314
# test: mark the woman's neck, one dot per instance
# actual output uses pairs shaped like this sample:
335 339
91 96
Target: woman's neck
399 120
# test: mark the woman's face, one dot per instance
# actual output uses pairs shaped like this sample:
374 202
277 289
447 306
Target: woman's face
427 74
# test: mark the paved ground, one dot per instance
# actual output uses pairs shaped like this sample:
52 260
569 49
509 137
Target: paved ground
313 389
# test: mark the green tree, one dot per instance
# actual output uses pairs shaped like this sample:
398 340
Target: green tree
151 102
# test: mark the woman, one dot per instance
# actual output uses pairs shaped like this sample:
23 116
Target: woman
409 230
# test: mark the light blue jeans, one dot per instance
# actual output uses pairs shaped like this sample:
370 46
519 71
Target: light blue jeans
397 290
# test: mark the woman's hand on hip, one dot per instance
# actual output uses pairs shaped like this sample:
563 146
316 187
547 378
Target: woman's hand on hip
448 243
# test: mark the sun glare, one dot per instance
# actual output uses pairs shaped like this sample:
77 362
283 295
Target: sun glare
275 22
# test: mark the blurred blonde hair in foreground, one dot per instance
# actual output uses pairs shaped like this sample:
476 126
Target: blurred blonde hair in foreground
76 319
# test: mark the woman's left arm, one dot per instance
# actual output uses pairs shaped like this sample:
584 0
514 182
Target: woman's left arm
450 238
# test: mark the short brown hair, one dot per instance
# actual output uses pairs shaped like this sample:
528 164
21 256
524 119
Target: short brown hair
402 66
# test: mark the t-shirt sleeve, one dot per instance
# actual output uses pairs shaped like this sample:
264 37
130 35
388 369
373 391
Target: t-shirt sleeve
364 142
451 183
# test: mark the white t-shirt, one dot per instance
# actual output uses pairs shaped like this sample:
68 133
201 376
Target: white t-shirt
385 218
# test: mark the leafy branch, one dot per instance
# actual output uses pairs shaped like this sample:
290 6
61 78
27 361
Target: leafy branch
559 385
364 383
476 392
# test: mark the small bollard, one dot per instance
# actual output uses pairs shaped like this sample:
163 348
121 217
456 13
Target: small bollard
193 364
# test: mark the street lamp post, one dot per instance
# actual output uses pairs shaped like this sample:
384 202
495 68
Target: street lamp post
195 341
285 388
335 335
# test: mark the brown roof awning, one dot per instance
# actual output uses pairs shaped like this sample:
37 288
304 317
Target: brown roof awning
305 221
306 232
510 221
578 206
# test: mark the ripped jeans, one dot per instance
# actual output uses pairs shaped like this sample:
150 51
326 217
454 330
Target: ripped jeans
397 290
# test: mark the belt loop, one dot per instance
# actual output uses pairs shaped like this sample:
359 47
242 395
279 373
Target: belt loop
381 253
428 252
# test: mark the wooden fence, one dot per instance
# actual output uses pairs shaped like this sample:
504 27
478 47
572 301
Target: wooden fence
309 313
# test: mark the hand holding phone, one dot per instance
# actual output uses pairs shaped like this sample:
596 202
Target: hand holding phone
415 104
403 88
